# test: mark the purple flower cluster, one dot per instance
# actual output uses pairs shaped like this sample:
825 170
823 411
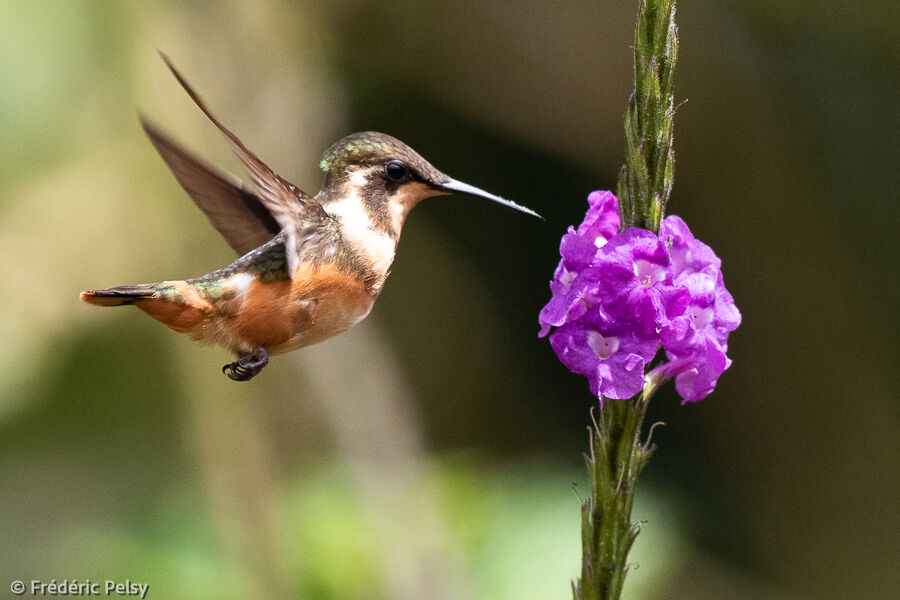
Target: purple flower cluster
618 297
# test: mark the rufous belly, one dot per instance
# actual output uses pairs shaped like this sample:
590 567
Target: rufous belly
282 315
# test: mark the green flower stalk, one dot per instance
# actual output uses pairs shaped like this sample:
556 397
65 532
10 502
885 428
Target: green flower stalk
607 533
645 180
637 300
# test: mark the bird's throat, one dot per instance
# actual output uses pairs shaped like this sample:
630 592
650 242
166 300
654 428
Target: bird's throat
374 246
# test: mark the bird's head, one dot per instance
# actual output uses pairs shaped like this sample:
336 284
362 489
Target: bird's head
388 178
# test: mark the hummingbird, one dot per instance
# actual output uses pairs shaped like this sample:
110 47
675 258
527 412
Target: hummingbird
310 267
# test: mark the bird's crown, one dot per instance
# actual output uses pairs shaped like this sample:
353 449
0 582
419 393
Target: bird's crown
370 148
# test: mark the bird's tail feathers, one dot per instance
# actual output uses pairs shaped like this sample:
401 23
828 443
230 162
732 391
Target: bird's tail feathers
120 295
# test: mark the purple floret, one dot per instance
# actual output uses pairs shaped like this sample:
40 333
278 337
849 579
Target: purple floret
635 283
602 219
618 296
688 254
610 356
572 289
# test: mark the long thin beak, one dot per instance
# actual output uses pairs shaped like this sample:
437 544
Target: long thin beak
464 188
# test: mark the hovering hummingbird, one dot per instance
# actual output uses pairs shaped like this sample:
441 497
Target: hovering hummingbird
311 266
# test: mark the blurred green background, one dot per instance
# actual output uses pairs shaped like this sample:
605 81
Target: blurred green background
430 451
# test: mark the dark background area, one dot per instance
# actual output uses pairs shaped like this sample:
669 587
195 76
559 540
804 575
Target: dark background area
429 452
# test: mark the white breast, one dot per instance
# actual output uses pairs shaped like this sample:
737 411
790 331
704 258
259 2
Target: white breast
358 230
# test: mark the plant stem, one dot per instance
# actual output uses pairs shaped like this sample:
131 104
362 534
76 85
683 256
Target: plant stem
645 180
616 459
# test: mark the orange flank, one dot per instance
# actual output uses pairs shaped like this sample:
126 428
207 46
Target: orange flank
282 315
179 316
175 315
315 305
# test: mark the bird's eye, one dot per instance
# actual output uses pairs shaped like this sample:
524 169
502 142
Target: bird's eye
396 171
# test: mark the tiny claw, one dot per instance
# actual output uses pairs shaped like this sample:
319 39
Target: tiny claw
247 366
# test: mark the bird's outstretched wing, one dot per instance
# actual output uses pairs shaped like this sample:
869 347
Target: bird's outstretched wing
238 214
290 206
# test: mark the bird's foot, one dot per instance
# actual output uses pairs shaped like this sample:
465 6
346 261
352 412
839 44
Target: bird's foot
247 366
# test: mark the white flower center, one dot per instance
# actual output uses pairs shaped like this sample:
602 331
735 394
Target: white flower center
603 347
701 316
648 272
